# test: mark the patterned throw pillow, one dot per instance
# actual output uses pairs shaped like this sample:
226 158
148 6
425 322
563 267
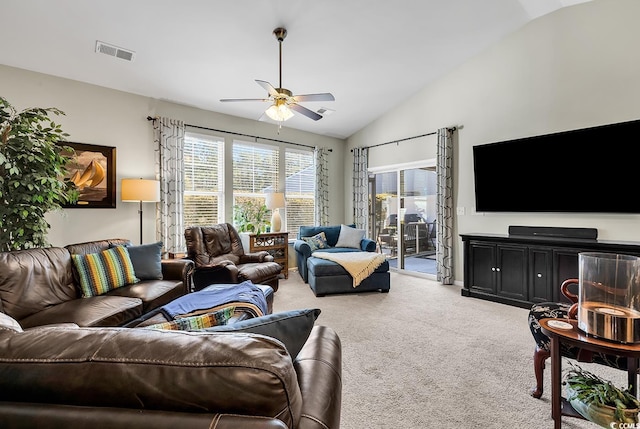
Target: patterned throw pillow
101 272
318 241
201 321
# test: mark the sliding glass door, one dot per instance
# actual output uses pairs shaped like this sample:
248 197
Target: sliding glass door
403 212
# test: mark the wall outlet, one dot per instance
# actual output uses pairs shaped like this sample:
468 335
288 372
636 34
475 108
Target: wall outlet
460 211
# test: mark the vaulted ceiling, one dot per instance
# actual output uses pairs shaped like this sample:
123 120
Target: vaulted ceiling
370 54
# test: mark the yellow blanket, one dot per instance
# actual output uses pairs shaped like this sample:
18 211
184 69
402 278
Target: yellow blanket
359 264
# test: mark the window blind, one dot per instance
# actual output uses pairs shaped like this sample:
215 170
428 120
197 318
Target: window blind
203 179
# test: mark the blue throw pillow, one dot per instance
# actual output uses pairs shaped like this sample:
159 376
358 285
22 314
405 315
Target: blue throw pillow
292 328
146 260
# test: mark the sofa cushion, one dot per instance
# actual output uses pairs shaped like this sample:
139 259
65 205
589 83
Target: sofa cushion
35 279
101 272
102 310
350 237
324 268
153 293
152 369
292 328
146 260
318 241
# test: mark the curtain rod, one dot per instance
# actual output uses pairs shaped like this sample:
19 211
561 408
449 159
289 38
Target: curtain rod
149 118
409 138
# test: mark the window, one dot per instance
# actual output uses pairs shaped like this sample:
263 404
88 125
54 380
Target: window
255 171
203 180
300 189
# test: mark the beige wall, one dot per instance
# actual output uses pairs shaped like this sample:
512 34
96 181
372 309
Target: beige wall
572 69
101 116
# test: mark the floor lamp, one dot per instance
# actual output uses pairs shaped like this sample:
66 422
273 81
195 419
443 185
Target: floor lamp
275 200
141 191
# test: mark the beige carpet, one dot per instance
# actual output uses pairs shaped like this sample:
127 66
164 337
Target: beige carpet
423 356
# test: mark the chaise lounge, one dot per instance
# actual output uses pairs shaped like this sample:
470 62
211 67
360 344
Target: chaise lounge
326 276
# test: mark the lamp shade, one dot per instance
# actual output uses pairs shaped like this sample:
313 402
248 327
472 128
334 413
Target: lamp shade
140 190
279 111
274 200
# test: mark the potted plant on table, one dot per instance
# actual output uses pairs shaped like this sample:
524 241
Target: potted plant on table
32 170
250 217
598 400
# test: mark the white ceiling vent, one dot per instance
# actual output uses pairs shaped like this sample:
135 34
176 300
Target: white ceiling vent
324 111
114 51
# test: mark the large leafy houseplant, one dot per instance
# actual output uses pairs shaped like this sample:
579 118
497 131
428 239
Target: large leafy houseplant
598 400
250 216
32 170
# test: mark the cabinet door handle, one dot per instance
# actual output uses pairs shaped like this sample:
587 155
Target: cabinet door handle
539 275
493 268
497 269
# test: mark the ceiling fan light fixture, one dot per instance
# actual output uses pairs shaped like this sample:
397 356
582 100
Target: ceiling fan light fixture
279 111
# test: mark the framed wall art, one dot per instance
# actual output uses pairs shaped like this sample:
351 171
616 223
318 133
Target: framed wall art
93 170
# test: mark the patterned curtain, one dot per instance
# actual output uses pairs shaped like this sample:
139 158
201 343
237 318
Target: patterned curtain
360 187
168 136
444 212
322 186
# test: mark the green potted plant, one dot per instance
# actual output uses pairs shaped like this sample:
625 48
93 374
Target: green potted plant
250 216
598 400
32 170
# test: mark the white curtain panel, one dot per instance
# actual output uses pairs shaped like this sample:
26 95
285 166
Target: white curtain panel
360 187
168 136
322 186
444 212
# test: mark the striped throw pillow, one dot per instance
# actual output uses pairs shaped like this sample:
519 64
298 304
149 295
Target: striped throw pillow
201 321
104 271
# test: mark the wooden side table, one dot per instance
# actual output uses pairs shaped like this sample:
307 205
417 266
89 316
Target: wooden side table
559 332
276 243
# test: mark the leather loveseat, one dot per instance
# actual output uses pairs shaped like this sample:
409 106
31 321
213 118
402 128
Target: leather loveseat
39 287
59 377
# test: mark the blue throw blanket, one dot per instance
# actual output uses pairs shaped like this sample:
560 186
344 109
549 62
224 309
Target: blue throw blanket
216 296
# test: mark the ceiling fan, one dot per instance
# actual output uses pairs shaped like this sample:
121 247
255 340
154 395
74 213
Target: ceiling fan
283 101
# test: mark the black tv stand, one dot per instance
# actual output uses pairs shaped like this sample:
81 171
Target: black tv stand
524 269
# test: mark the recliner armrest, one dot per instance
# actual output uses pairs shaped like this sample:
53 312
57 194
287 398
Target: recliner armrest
261 256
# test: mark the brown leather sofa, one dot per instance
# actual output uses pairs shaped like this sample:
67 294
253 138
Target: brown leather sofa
55 377
219 258
38 287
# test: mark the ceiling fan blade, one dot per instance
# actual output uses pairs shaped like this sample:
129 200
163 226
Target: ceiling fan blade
266 85
244 99
306 112
314 97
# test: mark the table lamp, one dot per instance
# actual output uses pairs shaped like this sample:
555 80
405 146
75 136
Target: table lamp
140 190
275 200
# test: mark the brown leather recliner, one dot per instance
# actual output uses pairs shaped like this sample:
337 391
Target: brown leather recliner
219 258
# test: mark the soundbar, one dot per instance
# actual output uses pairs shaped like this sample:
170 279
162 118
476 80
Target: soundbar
552 231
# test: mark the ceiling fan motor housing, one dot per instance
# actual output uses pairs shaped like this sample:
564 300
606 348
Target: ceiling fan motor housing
280 33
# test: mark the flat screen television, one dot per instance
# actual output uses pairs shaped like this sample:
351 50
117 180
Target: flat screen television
591 170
